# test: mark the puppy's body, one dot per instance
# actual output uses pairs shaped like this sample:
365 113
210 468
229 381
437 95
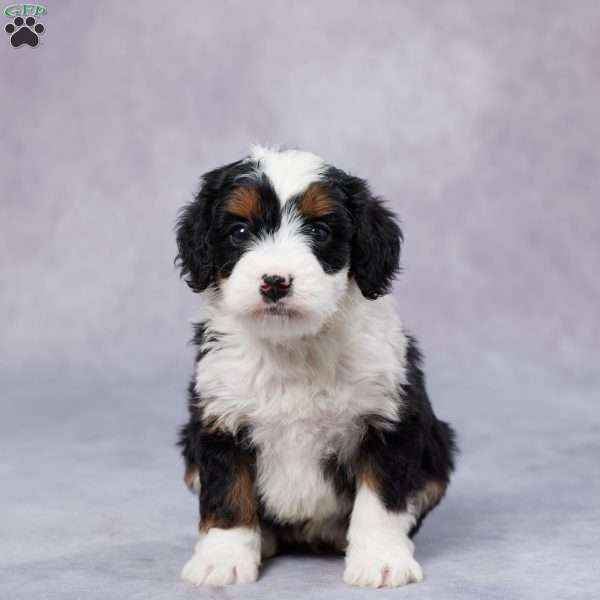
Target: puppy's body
309 419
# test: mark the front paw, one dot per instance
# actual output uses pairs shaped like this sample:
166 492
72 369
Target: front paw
381 567
223 560
217 571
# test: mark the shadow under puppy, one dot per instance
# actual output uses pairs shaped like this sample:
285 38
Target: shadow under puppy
309 419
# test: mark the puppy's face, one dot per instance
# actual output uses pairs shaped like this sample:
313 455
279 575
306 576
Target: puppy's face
279 236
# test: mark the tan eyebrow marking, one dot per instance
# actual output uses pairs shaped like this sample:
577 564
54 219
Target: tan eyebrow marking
316 202
244 202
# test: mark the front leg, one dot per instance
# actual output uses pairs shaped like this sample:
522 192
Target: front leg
380 551
229 547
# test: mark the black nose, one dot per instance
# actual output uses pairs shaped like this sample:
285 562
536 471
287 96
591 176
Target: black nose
275 287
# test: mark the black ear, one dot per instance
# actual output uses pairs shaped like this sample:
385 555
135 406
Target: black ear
195 257
375 253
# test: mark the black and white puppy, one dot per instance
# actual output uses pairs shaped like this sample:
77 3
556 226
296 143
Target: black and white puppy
309 420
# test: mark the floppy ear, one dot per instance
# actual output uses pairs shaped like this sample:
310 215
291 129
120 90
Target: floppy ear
375 252
195 257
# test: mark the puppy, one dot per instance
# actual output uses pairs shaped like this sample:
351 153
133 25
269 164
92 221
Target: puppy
309 422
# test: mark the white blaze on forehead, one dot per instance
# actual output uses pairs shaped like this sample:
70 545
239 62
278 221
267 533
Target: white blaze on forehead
290 171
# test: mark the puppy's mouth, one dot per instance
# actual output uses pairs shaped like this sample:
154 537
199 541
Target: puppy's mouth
275 310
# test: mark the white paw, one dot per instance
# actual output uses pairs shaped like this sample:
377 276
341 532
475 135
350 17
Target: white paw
222 560
204 570
392 568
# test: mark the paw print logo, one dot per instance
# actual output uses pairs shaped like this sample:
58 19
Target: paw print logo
24 32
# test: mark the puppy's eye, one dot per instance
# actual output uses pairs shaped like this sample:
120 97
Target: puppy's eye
239 233
319 232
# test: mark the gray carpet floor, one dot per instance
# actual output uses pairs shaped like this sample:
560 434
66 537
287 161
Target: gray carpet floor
93 505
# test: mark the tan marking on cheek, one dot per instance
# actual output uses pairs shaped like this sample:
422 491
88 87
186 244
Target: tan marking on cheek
430 495
366 476
244 202
316 202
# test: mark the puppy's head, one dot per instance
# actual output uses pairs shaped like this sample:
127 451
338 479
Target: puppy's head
279 236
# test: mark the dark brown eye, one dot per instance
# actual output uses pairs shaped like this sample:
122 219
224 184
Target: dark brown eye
239 234
319 232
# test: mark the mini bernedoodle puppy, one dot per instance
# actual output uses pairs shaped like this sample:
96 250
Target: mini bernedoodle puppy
309 420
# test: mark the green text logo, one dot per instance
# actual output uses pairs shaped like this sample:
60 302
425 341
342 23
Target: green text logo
25 10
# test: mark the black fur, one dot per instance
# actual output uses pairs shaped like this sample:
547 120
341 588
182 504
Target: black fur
334 253
218 456
376 240
418 449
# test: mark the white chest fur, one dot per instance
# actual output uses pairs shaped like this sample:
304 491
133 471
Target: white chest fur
305 400
290 474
